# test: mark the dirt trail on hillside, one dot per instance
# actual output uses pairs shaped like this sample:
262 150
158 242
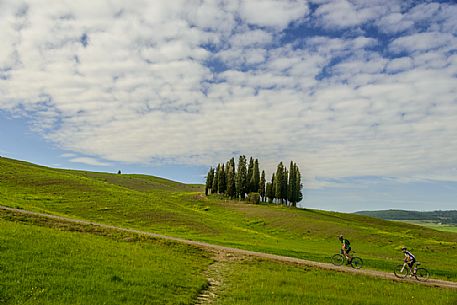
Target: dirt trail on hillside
222 249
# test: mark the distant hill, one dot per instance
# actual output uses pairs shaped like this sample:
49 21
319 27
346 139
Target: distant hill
444 217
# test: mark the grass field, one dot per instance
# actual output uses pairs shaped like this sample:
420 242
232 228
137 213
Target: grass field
79 264
162 206
433 225
42 265
269 283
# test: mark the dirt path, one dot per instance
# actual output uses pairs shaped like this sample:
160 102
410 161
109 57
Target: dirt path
236 251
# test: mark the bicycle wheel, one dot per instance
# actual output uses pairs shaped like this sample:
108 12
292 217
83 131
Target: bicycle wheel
422 274
337 259
356 262
401 271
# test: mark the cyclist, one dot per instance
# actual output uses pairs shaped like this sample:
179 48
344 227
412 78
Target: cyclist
410 259
345 248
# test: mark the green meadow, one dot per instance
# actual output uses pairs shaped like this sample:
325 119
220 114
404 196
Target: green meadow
433 225
47 262
126 268
270 283
41 265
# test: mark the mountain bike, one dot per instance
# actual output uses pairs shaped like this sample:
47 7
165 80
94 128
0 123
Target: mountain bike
339 259
402 271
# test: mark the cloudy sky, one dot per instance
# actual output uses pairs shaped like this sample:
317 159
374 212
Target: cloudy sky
361 94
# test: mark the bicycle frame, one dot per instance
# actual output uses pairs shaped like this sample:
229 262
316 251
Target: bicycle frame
405 265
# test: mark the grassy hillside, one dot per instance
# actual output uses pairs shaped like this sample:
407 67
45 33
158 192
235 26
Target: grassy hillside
61 263
162 206
270 283
40 265
442 217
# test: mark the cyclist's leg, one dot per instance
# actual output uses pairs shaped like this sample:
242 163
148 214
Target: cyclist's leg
348 255
411 266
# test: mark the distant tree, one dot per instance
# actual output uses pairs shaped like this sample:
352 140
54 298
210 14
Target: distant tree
222 184
250 175
284 186
298 186
291 193
279 182
215 188
256 176
262 185
273 188
231 185
294 188
241 178
209 180
119 172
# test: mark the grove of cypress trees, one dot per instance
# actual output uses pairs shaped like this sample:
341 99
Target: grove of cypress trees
285 186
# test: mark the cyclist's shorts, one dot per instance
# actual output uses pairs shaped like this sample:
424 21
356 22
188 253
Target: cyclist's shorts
411 263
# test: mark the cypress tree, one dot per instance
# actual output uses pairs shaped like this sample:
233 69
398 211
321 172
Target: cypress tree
298 185
284 186
230 169
273 187
269 192
241 178
215 187
251 175
291 193
222 184
262 183
279 182
209 180
256 176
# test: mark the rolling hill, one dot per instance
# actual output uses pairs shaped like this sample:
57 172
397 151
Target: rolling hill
162 206
443 217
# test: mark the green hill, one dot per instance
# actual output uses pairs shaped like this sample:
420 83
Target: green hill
162 206
444 217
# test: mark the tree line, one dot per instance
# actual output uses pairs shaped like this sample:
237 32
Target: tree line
245 181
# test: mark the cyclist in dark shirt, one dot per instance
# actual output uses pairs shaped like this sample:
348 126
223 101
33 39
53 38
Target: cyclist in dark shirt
345 248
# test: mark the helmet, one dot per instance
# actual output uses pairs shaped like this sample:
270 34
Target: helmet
403 249
341 237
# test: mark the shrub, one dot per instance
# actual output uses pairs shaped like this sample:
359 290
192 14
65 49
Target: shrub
254 198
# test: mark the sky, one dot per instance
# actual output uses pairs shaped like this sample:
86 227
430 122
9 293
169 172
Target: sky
361 94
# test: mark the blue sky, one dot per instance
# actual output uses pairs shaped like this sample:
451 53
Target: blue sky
361 94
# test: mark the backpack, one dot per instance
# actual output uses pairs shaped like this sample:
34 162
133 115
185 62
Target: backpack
347 243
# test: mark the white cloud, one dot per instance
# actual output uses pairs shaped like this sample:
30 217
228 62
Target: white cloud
344 14
420 42
89 161
158 82
400 64
273 13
